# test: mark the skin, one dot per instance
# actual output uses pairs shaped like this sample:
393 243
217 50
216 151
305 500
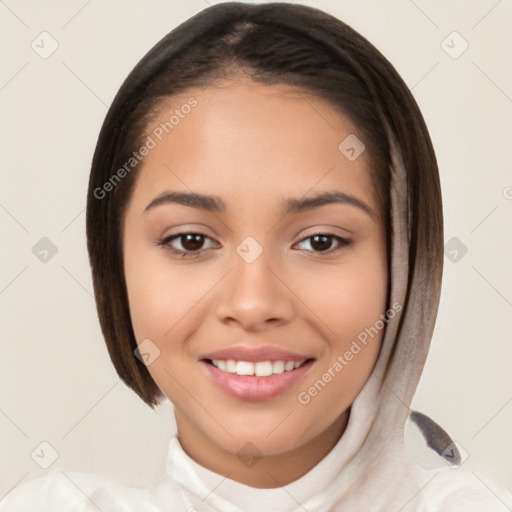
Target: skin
255 146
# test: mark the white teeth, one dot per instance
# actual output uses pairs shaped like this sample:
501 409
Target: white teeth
263 369
278 367
260 369
244 368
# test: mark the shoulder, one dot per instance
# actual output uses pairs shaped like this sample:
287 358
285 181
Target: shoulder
62 491
447 482
35 493
463 490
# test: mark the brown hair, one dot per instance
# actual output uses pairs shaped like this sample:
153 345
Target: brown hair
271 43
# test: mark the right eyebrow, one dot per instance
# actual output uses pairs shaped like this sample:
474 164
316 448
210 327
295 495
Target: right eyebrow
201 201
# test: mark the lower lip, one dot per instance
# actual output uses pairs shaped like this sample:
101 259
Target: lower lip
250 387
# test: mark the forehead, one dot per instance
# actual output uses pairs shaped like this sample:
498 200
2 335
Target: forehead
247 139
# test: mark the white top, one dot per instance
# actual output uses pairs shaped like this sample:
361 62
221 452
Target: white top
187 486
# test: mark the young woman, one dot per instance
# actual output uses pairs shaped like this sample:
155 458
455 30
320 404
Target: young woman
265 232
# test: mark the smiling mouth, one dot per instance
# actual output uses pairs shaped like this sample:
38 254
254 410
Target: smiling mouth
257 369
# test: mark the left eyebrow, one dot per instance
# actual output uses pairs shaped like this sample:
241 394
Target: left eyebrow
292 206
324 198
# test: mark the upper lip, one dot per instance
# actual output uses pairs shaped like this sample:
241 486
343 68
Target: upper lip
255 354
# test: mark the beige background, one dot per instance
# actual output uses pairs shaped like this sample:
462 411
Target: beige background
58 384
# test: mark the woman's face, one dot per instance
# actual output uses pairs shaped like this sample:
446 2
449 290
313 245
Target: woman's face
230 262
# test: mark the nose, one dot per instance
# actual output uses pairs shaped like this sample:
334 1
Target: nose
255 295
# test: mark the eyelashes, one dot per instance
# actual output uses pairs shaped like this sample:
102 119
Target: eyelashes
192 238
184 253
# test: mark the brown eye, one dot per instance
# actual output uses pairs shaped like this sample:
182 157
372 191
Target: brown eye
192 241
185 244
322 242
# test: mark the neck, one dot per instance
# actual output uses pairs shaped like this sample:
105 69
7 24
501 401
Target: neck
267 472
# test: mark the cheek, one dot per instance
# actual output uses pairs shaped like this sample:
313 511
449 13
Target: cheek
349 300
160 297
159 291
350 309
347 297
